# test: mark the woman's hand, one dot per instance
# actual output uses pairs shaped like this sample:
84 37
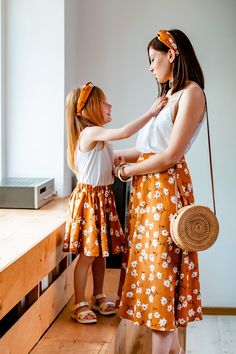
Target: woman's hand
118 160
158 105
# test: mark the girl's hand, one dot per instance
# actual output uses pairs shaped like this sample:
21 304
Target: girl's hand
158 105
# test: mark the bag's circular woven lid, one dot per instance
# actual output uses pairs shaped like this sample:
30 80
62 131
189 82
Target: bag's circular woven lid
194 228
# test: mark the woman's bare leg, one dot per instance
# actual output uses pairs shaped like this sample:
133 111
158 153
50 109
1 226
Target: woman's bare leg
162 342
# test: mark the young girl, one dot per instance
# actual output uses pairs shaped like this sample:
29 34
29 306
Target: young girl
93 229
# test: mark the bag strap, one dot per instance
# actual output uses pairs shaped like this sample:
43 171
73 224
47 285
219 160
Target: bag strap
210 163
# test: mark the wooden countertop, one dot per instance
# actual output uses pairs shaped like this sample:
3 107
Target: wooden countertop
21 229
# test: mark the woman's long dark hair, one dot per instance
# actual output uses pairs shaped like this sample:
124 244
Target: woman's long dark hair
186 64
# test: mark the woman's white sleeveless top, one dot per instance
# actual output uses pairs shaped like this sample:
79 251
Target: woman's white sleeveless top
155 135
95 166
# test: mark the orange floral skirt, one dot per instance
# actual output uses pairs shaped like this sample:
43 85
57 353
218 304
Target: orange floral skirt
161 287
92 225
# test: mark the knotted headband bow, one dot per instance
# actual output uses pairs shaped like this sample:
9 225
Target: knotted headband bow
84 95
167 38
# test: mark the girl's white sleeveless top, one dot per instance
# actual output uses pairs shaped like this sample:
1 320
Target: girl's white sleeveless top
155 135
95 166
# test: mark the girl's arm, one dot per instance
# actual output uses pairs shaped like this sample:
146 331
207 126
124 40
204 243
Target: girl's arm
190 112
97 133
130 155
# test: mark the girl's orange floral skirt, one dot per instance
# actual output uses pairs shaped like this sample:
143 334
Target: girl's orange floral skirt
92 225
161 287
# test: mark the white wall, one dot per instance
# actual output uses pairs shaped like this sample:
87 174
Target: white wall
35 89
113 36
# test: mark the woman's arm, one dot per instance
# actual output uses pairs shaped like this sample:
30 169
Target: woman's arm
190 113
97 133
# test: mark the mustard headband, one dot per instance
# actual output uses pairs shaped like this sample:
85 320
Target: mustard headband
84 95
167 38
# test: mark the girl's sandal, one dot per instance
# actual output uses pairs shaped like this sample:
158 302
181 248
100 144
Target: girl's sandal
82 316
103 306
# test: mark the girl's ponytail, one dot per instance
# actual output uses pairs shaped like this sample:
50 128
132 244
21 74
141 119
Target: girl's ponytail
71 124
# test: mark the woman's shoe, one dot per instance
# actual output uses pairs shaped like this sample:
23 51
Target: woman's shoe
102 306
83 316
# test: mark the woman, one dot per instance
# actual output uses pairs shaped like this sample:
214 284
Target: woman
161 288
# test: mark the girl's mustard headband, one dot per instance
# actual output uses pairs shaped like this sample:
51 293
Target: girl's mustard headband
167 38
84 95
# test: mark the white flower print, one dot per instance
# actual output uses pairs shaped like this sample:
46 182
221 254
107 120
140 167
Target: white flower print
164 255
138 314
151 277
171 180
189 297
144 307
159 206
191 313
163 322
154 243
129 294
195 291
149 195
186 260
165 233
150 298
191 265
163 300
169 308
143 276
156 216
182 321
153 289
138 246
151 257
130 313
157 195
152 267
148 291
154 209
143 252
173 199
141 228
166 283
181 276
150 315
175 270
140 259
105 254
86 205
194 274
166 191
157 185
159 275
138 303
199 309
134 273
165 265
156 315
133 286
139 290
134 264
155 234
138 195
177 250
148 323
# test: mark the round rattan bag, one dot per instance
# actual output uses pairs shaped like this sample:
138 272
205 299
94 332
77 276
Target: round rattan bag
194 228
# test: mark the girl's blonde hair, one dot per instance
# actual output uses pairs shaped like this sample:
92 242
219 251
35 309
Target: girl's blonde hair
91 115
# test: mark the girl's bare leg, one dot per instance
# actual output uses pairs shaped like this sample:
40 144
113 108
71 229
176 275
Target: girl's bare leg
80 279
98 269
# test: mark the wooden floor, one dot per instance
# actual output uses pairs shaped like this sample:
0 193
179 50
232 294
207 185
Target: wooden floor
213 335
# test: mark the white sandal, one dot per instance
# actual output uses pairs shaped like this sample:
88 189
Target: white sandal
81 316
101 307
